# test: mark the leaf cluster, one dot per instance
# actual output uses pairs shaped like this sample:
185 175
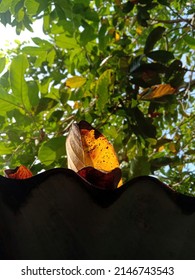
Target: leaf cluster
94 63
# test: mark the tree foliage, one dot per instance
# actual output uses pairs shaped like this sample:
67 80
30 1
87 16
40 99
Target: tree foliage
103 62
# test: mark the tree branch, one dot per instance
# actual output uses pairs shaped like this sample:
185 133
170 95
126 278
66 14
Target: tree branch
172 21
188 85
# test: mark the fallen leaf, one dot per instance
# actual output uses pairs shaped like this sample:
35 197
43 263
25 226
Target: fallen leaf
20 172
86 146
157 91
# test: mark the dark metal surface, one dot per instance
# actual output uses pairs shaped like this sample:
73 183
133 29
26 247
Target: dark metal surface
57 215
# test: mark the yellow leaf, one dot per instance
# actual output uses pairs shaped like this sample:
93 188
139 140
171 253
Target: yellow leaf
75 82
157 91
76 105
117 36
86 146
161 148
139 30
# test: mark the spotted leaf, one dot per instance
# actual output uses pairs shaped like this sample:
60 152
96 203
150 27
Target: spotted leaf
87 147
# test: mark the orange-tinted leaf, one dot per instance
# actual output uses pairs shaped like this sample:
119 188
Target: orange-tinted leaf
86 146
20 172
161 148
98 151
102 179
157 91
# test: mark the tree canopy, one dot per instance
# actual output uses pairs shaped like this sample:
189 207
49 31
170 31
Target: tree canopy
126 67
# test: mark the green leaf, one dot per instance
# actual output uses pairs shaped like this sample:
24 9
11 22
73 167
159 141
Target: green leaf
87 35
161 56
4 150
51 57
41 60
173 68
34 51
43 44
139 166
127 7
84 2
16 5
163 161
44 86
91 15
143 125
46 24
56 116
154 36
66 42
142 16
190 41
7 102
52 150
23 121
32 6
152 141
97 3
45 104
102 38
164 2
86 12
20 15
5 5
102 88
2 63
18 84
6 18
33 93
